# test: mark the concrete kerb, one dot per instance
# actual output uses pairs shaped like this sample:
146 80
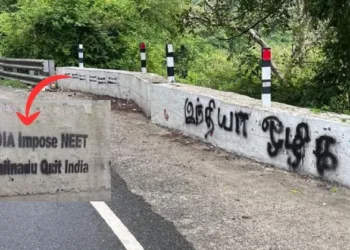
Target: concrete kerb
287 137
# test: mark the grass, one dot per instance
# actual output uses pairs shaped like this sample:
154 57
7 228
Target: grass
316 110
13 84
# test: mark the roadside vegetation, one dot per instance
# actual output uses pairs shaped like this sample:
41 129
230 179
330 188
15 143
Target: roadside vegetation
13 84
218 43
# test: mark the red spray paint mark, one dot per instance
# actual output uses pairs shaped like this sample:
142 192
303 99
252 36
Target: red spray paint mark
166 116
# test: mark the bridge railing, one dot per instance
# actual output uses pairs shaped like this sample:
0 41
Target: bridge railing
28 71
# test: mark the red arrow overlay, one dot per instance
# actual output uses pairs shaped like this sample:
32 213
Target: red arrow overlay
28 119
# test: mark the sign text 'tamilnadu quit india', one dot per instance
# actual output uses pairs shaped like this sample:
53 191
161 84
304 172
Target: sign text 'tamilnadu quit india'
56 166
63 155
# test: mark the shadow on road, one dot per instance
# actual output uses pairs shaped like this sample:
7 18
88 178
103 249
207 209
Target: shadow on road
149 228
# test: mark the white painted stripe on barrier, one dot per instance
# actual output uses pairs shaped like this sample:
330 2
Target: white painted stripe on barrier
170 48
143 56
266 73
266 84
143 70
170 62
81 56
121 231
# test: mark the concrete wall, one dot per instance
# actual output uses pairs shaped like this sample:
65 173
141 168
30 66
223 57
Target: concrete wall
288 137
115 83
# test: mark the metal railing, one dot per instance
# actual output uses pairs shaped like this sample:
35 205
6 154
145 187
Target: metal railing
28 71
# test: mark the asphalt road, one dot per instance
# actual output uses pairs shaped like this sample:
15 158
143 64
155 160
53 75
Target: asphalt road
53 225
70 226
174 192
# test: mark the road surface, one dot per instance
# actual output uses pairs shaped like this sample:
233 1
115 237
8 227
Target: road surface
172 192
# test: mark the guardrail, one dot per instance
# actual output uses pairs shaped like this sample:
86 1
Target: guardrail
28 71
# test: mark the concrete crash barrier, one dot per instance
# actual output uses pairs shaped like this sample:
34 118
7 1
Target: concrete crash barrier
63 156
287 137
115 83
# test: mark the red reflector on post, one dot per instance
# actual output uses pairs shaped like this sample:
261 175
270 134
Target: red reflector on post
266 54
142 45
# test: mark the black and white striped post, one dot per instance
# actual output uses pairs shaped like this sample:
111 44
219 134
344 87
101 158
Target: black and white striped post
266 77
143 57
81 56
170 62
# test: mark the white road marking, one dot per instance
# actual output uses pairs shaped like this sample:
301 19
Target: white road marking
122 232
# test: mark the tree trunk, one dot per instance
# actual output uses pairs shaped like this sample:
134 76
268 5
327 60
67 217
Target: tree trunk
253 34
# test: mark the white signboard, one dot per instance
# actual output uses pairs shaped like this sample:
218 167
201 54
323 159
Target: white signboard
64 155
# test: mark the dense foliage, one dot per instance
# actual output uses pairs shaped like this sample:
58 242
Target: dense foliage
218 42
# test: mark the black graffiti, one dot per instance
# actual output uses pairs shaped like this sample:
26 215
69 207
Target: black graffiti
101 80
208 120
195 115
50 168
112 80
301 138
241 119
297 145
199 113
223 123
93 78
274 125
189 113
190 117
326 160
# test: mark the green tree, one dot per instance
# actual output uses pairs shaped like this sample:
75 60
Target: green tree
331 85
8 5
110 30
